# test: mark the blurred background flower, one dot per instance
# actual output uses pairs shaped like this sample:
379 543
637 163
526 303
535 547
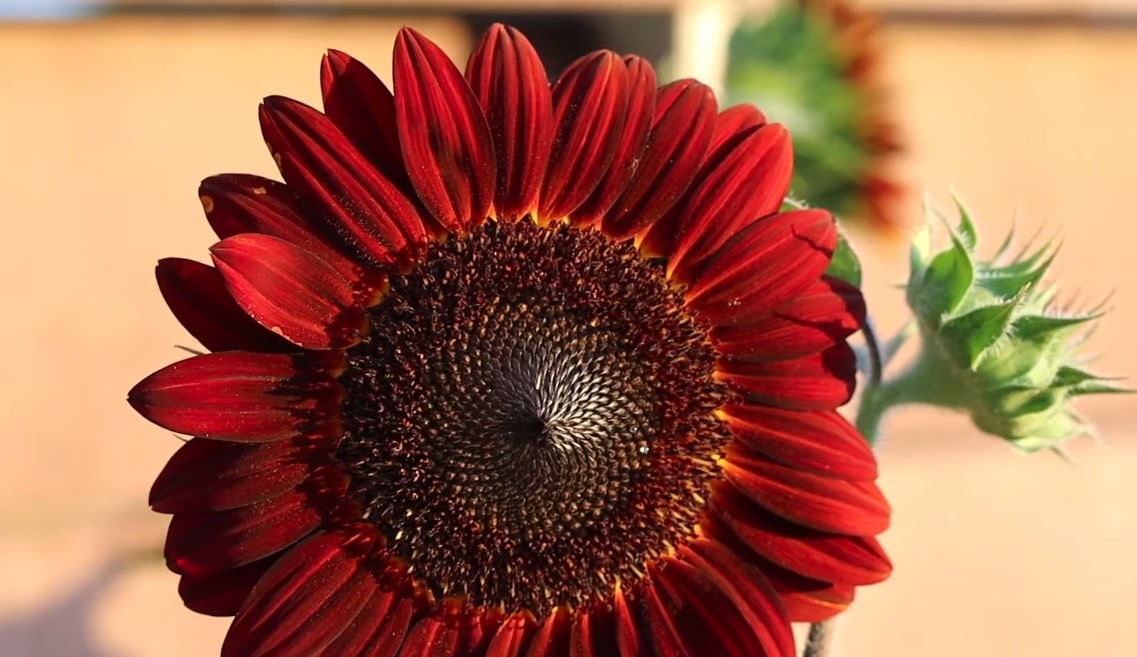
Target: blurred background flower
814 64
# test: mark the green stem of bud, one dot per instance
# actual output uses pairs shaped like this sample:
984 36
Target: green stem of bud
930 379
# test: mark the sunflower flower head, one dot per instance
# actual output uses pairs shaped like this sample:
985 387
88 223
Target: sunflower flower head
505 367
994 344
814 64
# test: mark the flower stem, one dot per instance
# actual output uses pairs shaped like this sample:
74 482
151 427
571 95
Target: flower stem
820 639
870 410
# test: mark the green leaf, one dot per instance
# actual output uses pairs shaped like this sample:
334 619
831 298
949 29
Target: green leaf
845 264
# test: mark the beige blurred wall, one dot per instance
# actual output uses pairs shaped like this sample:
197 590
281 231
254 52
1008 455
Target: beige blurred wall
106 127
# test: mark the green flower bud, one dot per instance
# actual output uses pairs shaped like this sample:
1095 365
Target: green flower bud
994 345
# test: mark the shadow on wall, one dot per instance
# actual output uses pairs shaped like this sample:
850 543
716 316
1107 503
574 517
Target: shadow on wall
63 629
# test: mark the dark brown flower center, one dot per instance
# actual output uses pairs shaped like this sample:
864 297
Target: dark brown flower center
530 419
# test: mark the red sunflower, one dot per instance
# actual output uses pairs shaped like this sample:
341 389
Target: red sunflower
508 369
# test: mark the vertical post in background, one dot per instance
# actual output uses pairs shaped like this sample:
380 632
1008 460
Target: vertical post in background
701 36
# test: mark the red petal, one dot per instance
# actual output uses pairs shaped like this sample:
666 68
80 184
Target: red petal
221 593
307 598
594 633
817 604
820 442
820 318
810 600
735 124
735 186
451 632
239 395
657 623
197 296
240 203
553 636
820 555
751 594
432 637
816 501
511 637
765 265
213 475
804 599
198 543
444 136
290 291
816 383
682 126
630 149
362 107
689 614
628 638
590 102
379 628
370 214
509 80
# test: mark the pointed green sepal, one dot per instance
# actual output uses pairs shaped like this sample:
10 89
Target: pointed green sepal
973 335
943 284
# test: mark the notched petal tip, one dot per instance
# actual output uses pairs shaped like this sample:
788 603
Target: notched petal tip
371 215
819 318
509 81
740 183
590 103
443 133
820 382
682 124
